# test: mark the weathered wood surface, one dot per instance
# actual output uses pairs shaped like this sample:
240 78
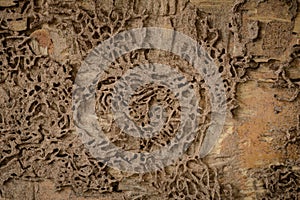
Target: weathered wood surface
42 46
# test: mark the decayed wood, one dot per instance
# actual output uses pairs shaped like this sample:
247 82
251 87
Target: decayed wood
260 139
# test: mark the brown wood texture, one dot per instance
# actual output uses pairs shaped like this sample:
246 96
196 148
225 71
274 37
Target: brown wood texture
255 44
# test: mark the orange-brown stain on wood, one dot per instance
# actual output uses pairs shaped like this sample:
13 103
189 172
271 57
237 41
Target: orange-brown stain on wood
261 118
44 39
